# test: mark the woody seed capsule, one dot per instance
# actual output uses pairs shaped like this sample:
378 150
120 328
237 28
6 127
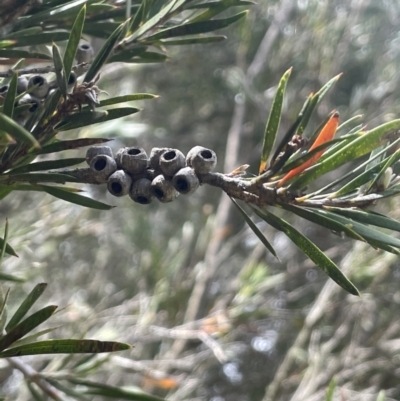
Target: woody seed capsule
119 183
103 165
185 181
163 189
42 88
202 160
141 191
133 160
97 150
172 161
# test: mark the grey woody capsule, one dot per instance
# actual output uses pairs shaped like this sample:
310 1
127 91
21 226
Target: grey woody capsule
84 53
119 183
141 191
22 84
103 165
26 99
133 160
154 158
185 181
43 86
203 160
97 150
171 161
163 189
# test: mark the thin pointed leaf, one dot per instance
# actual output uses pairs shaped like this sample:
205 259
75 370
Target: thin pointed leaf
48 165
8 248
25 32
43 177
274 119
68 346
39 39
194 40
331 390
50 106
381 396
104 52
126 98
196 27
73 41
13 53
391 160
27 304
121 393
75 198
33 337
35 394
4 244
18 132
255 229
85 118
323 91
310 249
367 217
324 221
349 121
127 54
60 71
149 57
308 110
27 325
3 308
355 149
369 233
10 277
60 146
9 101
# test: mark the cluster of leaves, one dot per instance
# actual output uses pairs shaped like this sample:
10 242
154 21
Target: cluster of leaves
292 168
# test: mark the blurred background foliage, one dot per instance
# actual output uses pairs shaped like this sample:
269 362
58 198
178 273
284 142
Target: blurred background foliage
211 315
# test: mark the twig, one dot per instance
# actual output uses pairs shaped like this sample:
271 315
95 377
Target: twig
33 376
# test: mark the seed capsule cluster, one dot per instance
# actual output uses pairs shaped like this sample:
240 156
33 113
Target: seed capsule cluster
163 175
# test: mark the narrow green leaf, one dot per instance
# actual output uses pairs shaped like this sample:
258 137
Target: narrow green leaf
85 118
128 54
307 113
27 325
359 147
35 394
148 57
349 121
274 118
26 304
121 393
60 71
104 52
60 146
4 191
369 233
310 249
48 165
18 132
255 229
10 277
391 160
42 177
196 27
194 40
11 53
9 250
9 101
68 346
366 217
73 41
75 198
101 30
26 32
50 106
217 8
381 396
39 39
33 337
127 98
323 220
331 390
3 308
4 244
74 394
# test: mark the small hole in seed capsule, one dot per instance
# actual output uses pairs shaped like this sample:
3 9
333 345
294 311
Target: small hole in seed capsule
84 47
34 107
143 200
100 165
38 80
159 193
182 185
206 154
4 89
133 151
169 155
71 79
116 187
